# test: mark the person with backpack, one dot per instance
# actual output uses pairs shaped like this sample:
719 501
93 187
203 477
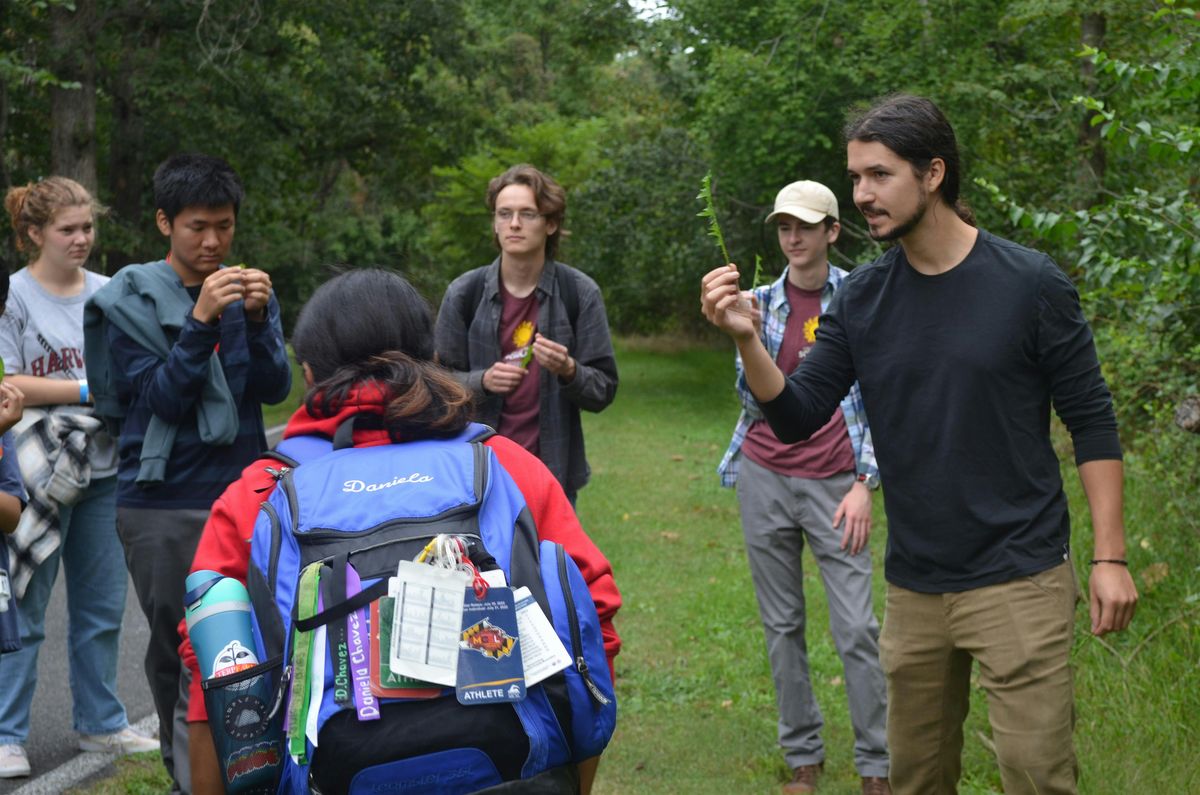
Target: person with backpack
529 335
375 392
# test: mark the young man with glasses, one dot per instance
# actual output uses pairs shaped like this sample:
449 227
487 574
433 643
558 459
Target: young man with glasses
529 335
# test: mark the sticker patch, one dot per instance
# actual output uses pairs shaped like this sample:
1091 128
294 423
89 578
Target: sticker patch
488 639
246 717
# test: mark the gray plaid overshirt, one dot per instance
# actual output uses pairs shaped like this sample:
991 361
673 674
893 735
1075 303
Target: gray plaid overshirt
471 345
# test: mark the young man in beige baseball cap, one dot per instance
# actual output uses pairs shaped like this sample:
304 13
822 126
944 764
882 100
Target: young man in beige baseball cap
816 492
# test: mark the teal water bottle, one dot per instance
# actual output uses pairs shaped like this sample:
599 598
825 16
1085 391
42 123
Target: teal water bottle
218 622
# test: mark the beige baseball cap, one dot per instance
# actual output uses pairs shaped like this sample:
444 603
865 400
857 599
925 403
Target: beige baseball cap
809 201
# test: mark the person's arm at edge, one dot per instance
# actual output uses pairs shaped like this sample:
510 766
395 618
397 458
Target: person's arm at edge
12 488
556 521
1112 595
10 512
41 391
854 511
270 371
1067 355
745 395
719 302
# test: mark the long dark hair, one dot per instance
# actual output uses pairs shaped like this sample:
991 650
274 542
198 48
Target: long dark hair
916 130
371 328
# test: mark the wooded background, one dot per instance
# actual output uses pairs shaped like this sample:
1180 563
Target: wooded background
365 133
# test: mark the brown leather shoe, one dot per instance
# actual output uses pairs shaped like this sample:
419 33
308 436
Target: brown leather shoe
873 785
804 779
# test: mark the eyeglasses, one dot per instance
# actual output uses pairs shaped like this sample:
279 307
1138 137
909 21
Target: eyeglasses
526 216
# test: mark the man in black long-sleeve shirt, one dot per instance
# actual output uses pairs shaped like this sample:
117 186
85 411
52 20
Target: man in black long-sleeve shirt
961 341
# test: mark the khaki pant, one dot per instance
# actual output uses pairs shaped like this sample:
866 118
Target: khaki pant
1020 633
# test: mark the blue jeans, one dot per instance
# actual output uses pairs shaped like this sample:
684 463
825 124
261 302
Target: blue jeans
96 584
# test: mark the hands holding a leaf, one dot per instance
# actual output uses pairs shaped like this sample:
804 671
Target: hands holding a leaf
504 376
734 311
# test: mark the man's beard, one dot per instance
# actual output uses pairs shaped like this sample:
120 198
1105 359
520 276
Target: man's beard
903 228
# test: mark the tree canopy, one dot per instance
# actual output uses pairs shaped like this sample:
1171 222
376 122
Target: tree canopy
366 133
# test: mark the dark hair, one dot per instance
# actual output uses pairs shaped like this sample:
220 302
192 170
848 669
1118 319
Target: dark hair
194 180
916 130
36 204
550 197
4 278
371 326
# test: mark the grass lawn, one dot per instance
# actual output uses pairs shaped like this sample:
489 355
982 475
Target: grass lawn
696 704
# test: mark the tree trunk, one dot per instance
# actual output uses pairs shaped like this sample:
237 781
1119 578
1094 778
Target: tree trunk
73 110
1094 162
125 177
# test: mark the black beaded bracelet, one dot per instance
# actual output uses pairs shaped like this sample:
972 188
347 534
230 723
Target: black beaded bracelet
1110 560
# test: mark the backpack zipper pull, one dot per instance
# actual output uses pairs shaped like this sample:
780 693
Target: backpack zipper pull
277 474
582 666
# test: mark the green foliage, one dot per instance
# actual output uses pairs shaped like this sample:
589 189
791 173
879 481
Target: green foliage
710 212
636 232
458 223
1136 253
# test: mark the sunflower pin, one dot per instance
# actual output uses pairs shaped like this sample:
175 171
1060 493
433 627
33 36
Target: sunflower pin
522 338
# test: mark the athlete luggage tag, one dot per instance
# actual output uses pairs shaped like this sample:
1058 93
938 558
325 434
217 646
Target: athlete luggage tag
427 616
489 659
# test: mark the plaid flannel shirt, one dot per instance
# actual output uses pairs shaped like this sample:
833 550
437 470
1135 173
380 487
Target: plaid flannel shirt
773 299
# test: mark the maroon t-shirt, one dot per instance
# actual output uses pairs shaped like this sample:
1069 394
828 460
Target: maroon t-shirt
828 452
518 324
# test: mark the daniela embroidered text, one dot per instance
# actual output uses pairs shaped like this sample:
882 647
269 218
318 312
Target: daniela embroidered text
354 486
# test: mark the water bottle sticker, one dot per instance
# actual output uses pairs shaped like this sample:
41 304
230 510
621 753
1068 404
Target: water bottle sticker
232 658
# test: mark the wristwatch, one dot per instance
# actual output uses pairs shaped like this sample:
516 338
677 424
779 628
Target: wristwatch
870 481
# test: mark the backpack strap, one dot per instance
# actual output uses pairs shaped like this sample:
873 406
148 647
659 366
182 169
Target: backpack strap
569 292
283 458
343 437
468 299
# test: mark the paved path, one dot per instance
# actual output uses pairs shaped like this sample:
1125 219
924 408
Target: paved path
52 738
53 744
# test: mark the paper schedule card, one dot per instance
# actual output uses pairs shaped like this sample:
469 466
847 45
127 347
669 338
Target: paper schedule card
427 619
542 653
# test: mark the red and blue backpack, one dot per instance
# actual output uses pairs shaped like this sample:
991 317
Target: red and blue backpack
318 512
